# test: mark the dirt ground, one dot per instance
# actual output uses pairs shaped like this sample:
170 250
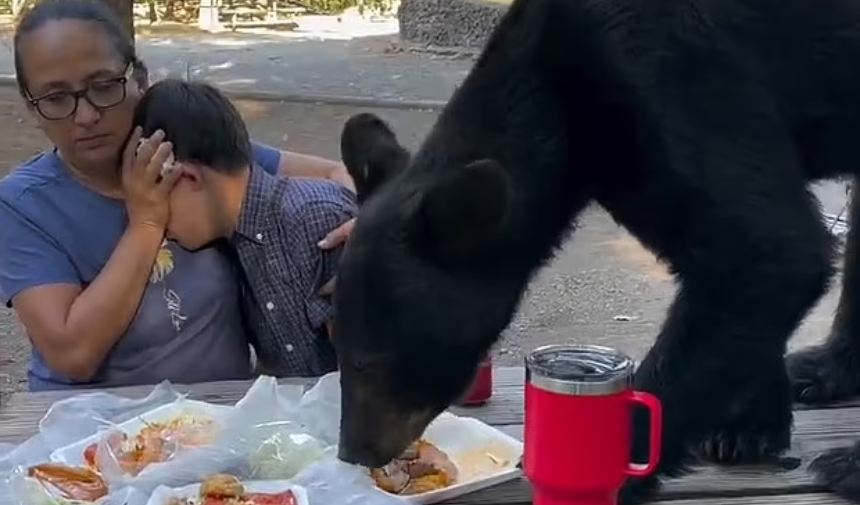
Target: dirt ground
602 288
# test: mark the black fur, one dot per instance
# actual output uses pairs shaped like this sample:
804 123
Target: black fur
370 152
697 124
839 470
831 372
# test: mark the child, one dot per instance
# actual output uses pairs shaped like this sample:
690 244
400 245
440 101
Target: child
270 226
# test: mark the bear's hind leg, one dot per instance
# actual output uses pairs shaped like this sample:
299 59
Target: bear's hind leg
831 371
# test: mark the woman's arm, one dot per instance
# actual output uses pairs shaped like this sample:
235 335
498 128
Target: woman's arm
292 164
74 328
305 165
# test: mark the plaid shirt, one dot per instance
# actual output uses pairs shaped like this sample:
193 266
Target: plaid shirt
280 224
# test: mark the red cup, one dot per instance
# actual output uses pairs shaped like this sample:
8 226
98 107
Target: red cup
481 389
579 425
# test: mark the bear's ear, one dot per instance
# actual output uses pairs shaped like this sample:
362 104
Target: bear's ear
371 153
462 212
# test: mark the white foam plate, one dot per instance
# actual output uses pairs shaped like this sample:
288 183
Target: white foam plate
73 454
162 495
31 491
484 456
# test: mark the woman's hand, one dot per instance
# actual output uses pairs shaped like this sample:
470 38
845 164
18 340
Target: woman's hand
147 179
341 234
338 236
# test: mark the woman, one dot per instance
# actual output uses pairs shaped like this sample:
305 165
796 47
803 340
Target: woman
83 261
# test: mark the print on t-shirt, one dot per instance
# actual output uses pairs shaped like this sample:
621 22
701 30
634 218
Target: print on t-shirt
160 271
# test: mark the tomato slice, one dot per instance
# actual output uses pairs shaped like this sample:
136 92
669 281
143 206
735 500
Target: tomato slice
285 498
90 455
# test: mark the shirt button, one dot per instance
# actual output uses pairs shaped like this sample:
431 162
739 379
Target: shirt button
259 236
270 306
289 347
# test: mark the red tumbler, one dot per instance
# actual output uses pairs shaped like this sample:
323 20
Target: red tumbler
579 424
481 389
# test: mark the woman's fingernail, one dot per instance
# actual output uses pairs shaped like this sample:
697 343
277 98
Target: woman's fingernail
322 243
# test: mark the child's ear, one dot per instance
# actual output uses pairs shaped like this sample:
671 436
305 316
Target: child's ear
191 174
137 88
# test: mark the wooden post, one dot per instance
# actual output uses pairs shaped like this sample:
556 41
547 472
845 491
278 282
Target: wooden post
16 7
209 15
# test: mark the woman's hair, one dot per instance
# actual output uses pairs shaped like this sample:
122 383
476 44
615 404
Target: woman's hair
201 123
91 11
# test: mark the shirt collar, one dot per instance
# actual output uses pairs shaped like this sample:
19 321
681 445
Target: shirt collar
255 218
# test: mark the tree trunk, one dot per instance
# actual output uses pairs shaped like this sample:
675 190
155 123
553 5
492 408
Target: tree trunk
153 12
124 10
170 10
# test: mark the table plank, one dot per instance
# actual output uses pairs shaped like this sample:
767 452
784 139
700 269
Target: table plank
19 417
815 430
505 408
793 499
821 498
506 378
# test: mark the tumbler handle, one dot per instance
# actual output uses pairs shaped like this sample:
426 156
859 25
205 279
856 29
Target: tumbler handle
655 411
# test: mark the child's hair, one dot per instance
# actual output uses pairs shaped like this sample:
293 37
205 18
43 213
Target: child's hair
201 123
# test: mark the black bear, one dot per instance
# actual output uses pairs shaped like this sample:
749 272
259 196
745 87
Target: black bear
697 124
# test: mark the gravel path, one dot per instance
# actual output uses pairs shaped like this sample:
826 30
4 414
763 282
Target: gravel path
325 57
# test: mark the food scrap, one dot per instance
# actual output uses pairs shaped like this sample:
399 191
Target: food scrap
71 483
155 443
187 431
422 468
132 453
225 489
486 459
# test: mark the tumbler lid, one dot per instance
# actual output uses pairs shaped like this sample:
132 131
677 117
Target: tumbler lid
579 370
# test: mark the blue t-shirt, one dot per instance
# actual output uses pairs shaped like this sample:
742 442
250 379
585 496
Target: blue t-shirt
55 230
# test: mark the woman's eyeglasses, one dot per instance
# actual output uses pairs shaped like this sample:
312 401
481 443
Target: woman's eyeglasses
101 94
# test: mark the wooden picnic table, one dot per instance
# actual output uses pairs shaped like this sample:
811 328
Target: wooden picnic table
815 430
